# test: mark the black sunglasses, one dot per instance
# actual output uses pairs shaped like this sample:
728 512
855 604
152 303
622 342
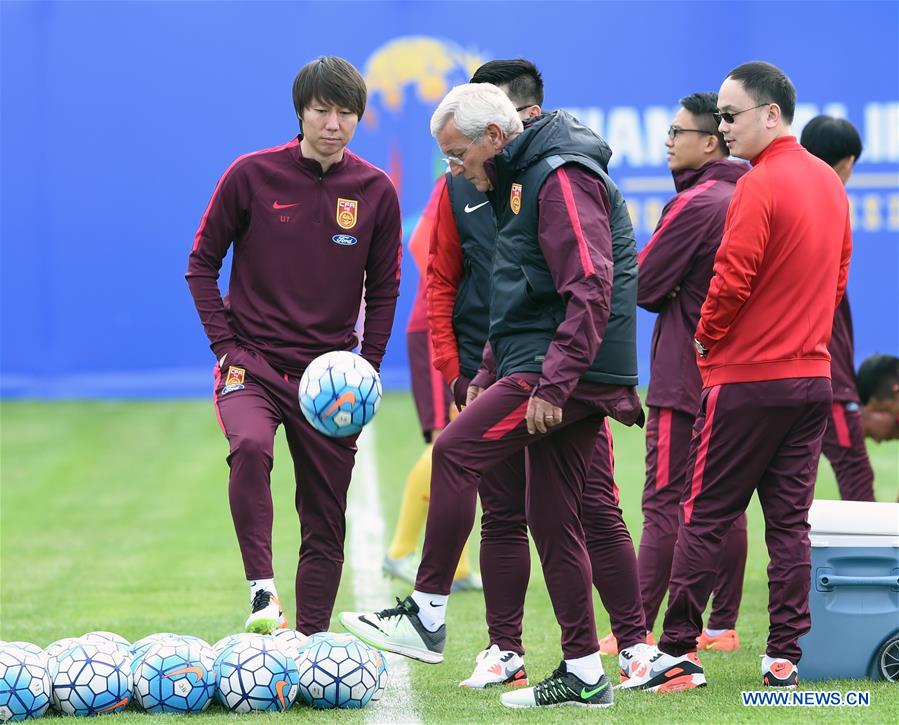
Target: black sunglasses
729 117
674 130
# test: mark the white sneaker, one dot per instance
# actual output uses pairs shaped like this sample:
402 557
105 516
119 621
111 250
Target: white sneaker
398 630
497 667
667 673
633 661
266 615
404 569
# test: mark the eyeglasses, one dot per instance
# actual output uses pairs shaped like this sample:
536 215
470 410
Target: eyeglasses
457 160
674 130
729 117
527 105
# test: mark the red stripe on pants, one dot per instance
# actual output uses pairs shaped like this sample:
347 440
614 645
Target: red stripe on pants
702 452
663 452
508 423
437 386
840 426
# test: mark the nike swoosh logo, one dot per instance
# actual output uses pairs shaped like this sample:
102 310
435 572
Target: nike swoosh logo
469 209
435 605
116 705
186 670
587 694
365 619
347 397
279 688
276 205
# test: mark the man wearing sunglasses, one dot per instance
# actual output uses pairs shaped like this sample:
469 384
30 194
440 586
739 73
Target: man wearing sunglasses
675 271
762 342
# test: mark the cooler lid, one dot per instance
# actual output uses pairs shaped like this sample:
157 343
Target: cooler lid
854 523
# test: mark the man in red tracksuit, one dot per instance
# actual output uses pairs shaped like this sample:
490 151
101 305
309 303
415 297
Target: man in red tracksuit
762 341
313 228
836 141
675 270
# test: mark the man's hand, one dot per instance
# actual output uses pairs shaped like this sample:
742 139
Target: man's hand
459 389
542 416
473 392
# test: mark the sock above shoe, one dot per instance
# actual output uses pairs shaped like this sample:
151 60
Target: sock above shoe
431 609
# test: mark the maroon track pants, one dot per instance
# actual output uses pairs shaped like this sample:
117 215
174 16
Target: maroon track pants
668 436
249 417
844 446
764 437
505 553
488 432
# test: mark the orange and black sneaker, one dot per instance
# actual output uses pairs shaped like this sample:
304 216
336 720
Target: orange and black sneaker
779 673
727 641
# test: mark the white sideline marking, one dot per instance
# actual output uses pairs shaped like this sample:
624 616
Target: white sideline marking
366 524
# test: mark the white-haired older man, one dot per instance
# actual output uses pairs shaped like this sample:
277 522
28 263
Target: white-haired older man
562 337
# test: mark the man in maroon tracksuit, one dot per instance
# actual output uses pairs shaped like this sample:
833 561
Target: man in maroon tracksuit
459 270
314 227
836 142
563 333
762 336
675 270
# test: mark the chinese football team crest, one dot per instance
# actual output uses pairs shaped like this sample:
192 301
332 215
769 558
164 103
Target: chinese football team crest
234 380
347 210
515 198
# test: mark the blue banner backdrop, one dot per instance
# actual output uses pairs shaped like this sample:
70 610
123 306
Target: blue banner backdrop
119 118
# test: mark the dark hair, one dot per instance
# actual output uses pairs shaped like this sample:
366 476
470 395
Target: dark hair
767 84
330 80
703 105
876 377
524 80
831 139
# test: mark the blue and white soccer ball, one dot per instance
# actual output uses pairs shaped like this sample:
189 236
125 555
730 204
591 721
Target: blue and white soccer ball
24 685
339 393
256 675
380 662
291 639
55 649
108 638
92 679
338 674
175 676
230 639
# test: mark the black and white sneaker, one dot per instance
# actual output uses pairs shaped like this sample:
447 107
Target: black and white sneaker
398 630
266 615
562 688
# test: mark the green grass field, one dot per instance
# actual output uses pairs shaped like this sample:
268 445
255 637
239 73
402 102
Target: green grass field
114 516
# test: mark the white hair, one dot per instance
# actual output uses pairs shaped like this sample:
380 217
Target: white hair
474 106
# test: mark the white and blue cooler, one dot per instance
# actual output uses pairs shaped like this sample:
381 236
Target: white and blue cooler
854 597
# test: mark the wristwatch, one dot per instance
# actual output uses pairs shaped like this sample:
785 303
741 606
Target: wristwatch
700 348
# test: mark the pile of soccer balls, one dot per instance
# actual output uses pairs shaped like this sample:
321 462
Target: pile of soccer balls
101 672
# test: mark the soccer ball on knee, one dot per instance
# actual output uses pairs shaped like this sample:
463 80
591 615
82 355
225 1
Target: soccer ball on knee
339 393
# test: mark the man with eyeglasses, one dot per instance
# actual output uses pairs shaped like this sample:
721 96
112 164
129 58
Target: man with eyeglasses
562 327
762 342
458 309
675 271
